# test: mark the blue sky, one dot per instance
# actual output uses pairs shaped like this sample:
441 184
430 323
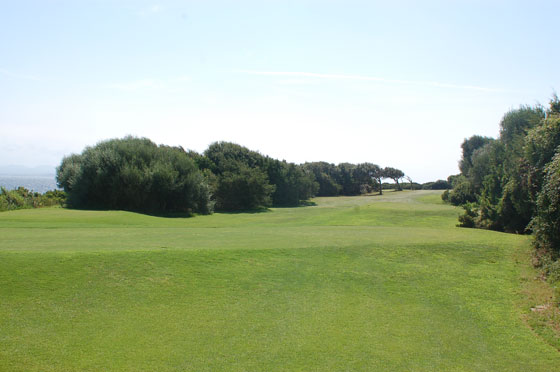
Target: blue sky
397 83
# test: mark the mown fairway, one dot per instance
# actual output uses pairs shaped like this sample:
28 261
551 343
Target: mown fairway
353 284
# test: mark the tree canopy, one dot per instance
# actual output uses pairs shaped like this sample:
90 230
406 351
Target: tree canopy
135 174
511 183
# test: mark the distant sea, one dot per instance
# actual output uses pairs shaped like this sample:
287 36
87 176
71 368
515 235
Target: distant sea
35 183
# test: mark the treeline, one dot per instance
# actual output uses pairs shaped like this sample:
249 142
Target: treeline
135 174
512 183
351 179
22 198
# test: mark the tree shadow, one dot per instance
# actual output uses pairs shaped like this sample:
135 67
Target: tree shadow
245 211
184 214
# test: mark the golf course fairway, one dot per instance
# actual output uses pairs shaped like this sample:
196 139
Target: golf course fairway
366 283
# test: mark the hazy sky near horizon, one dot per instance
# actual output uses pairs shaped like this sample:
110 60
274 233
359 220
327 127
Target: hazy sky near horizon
397 83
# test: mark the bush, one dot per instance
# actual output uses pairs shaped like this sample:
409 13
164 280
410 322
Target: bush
441 185
437 185
239 171
462 193
245 189
134 174
469 217
21 198
546 224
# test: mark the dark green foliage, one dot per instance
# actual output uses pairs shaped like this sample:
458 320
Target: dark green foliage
228 157
516 123
498 176
512 183
482 164
245 179
468 218
21 198
462 193
293 184
407 186
326 176
541 144
441 185
437 185
347 178
469 146
454 179
394 174
546 224
427 186
515 209
350 185
134 174
243 189
377 174
370 176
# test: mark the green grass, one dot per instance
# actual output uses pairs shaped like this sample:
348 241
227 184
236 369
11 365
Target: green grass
352 284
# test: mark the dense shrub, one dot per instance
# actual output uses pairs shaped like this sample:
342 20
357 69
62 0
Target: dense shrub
469 216
437 185
512 183
21 198
245 179
134 174
546 224
292 183
327 177
243 189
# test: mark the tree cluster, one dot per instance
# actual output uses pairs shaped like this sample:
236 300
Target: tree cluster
137 175
351 179
242 179
512 183
134 174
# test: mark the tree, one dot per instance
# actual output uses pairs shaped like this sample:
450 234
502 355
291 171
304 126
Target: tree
539 148
409 179
516 123
292 182
395 175
243 189
378 173
546 223
364 175
350 185
326 176
503 178
469 146
274 182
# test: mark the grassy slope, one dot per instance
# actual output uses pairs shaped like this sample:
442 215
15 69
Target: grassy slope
363 283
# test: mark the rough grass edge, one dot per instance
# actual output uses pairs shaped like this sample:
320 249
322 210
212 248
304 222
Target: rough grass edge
539 299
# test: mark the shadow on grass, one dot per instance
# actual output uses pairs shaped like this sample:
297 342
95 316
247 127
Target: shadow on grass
306 203
246 211
147 213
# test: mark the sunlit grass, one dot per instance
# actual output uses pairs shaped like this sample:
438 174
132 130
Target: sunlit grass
358 284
